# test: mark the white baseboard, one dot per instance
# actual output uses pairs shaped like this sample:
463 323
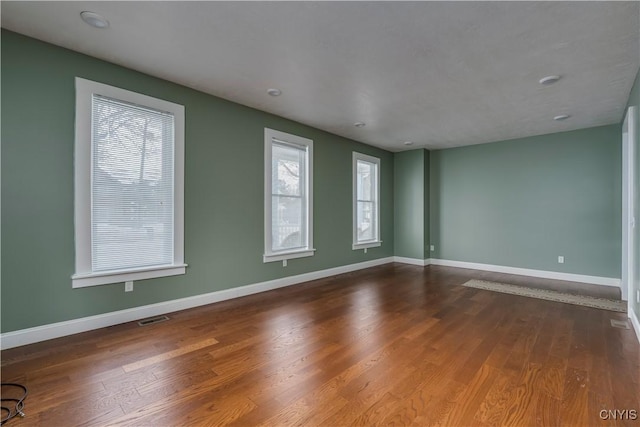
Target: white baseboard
570 277
69 327
412 261
634 322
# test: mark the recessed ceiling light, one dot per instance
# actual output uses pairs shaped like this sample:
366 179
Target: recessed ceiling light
359 124
274 92
561 117
549 80
408 143
94 19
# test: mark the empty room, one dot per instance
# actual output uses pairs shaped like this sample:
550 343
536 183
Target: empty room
320 213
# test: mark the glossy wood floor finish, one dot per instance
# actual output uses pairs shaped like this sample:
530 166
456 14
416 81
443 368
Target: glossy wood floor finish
390 345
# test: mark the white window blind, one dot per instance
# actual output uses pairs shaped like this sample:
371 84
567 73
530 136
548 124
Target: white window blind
288 196
366 229
132 185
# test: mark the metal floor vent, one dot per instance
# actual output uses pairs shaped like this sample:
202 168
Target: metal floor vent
622 324
152 320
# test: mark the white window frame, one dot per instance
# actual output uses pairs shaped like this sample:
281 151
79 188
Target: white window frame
269 254
84 275
374 242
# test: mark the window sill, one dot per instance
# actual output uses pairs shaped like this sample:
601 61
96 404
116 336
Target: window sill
287 255
366 245
83 280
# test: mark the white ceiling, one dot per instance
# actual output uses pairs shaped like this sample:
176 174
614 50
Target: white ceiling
440 74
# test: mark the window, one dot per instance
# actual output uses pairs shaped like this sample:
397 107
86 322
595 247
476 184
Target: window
288 196
129 164
366 201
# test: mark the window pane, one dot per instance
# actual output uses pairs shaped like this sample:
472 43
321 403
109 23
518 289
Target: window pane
287 170
366 221
132 186
288 225
365 180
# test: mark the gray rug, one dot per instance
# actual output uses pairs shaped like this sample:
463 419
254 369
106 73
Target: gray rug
601 303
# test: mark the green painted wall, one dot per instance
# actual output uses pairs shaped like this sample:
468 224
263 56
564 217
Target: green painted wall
523 202
517 203
411 198
223 221
634 99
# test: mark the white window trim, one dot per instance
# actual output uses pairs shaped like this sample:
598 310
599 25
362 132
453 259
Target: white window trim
269 255
369 243
84 275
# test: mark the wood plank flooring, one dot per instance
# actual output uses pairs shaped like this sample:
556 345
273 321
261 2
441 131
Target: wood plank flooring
390 345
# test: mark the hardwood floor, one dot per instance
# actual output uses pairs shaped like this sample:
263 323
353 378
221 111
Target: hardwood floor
390 345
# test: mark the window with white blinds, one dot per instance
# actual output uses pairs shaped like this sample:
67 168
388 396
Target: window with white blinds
288 227
129 186
366 201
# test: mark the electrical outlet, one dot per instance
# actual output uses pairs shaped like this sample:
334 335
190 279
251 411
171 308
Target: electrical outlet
128 286
560 259
365 250
432 247
284 262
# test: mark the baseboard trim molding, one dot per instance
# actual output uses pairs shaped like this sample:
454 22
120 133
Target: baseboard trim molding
570 277
84 324
412 261
635 323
